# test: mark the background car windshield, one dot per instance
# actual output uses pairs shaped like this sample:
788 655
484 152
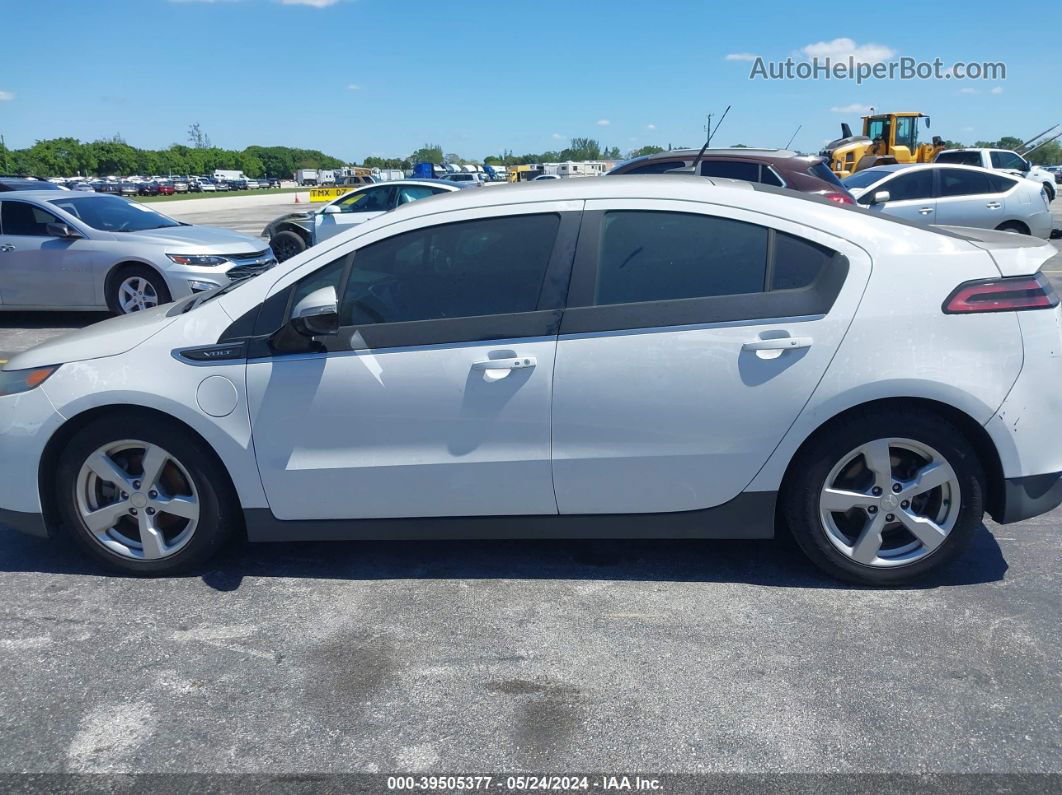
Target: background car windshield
111 214
863 179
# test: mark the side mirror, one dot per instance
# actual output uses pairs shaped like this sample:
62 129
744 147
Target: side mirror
59 229
332 209
880 197
317 315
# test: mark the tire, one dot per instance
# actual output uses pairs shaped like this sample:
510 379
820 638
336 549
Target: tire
191 471
1050 192
155 293
831 539
287 244
1013 226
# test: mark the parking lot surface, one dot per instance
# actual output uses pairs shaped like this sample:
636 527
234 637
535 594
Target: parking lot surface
538 656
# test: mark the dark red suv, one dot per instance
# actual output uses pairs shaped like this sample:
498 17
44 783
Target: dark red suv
778 167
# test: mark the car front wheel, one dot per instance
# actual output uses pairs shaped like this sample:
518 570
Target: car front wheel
883 498
135 289
142 496
287 244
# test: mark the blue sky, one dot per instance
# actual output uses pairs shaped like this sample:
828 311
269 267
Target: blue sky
361 77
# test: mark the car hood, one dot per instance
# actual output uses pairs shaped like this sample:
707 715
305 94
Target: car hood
108 338
221 241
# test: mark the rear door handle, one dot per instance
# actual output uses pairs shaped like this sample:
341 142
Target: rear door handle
7 247
925 210
773 348
497 369
993 205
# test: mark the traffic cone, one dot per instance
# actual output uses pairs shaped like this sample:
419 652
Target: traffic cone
296 198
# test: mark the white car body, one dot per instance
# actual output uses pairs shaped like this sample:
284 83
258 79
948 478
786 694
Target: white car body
615 420
1015 204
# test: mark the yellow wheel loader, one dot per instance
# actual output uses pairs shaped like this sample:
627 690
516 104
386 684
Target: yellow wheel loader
887 138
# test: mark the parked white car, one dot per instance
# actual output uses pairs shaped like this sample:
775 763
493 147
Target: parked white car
932 193
660 357
1000 160
91 251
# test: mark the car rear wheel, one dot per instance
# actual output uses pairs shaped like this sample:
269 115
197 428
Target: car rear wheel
142 496
883 498
135 289
1013 226
287 244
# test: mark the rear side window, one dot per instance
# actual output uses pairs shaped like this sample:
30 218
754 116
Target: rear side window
491 266
822 171
658 167
957 182
20 218
656 256
1000 184
731 169
797 262
959 158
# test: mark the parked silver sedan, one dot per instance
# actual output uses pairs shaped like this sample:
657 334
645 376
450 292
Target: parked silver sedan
951 195
65 250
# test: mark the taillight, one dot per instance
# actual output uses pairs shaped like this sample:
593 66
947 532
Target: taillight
839 198
1008 294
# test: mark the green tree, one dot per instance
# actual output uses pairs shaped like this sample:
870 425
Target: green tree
429 153
645 150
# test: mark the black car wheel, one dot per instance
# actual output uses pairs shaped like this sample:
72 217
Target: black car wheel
287 244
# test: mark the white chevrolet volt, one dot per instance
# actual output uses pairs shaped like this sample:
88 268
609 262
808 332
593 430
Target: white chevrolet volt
655 357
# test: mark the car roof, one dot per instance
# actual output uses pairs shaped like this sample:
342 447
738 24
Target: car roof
41 195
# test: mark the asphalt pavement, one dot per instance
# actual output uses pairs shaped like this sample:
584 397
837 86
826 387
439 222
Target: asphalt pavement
536 656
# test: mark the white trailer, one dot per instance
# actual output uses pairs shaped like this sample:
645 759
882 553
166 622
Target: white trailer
227 176
306 176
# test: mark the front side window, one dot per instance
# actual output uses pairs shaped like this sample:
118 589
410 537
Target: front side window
960 182
113 214
909 187
374 200
656 256
490 266
1009 160
20 218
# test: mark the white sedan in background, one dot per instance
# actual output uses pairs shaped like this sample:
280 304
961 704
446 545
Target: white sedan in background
660 357
951 195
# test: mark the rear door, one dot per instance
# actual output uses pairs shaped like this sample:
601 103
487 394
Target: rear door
969 197
692 340
37 268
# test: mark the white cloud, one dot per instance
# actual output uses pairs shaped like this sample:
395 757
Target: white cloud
557 137
855 107
650 126
7 96
842 49
312 3
741 56
967 90
603 122
353 87
997 90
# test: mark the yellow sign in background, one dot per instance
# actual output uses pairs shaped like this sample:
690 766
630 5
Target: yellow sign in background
327 194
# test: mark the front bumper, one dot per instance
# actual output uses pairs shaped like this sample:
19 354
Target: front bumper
27 421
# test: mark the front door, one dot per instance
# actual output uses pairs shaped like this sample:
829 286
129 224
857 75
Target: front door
692 341
353 209
37 268
434 399
910 196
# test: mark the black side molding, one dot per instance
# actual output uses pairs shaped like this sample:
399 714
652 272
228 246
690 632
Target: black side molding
1031 496
747 516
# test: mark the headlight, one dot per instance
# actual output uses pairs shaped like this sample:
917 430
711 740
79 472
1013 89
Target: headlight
197 259
13 382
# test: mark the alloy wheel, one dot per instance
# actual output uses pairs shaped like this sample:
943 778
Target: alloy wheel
136 294
889 502
137 500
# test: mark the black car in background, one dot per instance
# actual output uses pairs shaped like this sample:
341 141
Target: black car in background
148 189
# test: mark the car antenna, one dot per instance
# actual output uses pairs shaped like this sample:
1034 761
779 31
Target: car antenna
710 132
794 135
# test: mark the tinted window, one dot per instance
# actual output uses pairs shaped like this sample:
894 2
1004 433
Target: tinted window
768 177
959 158
956 182
908 187
1008 160
1000 184
653 256
19 218
731 169
486 267
657 167
797 262
822 171
377 200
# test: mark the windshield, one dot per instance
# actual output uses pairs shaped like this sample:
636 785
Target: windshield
863 179
112 214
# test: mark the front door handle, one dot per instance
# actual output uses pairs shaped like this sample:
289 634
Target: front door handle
497 369
993 205
773 348
925 210
7 247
